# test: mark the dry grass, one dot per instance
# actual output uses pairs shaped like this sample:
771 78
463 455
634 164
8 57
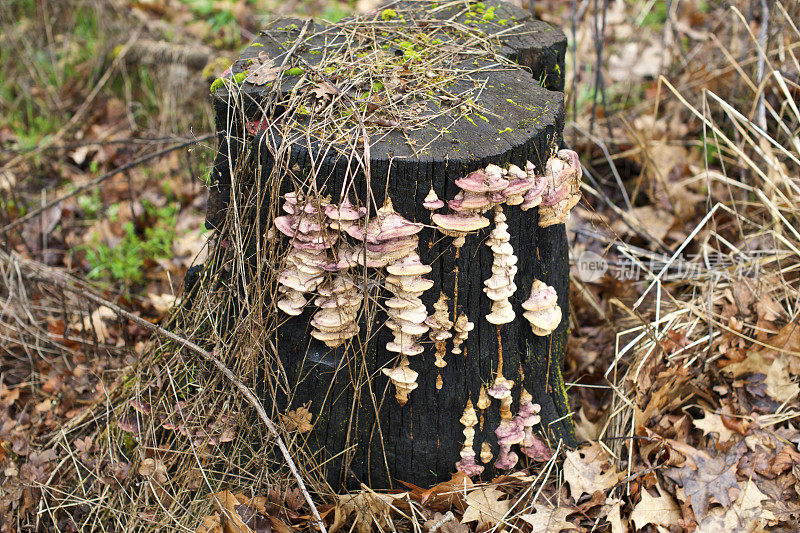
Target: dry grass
740 114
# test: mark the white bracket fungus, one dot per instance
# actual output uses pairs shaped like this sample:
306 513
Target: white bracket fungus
541 309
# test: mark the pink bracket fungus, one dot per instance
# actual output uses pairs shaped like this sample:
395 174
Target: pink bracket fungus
388 237
432 201
541 309
339 302
404 380
407 313
304 270
563 176
501 285
528 416
467 464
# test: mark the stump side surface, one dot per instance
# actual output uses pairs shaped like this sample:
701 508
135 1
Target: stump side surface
420 442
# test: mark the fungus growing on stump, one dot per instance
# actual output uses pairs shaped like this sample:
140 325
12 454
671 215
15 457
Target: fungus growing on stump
528 416
440 325
500 287
307 257
563 176
391 241
404 379
432 202
467 464
541 309
339 301
462 328
510 431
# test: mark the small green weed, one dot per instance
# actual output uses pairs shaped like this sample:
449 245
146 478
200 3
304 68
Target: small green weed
126 260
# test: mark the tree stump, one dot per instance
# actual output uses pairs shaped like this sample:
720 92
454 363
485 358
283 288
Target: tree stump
499 103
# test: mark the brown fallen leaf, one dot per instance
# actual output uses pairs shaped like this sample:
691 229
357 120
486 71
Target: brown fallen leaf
299 419
712 423
549 519
612 510
660 510
262 70
485 506
366 508
588 470
713 478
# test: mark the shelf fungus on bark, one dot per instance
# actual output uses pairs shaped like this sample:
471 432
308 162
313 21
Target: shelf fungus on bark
339 302
528 416
305 264
500 287
467 464
563 176
440 325
541 309
486 453
533 196
510 430
432 201
407 313
519 183
462 328
388 237
404 380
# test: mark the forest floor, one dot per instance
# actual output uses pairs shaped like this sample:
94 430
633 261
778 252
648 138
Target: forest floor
684 356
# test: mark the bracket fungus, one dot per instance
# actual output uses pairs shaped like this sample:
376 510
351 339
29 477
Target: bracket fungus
462 328
563 176
387 237
404 379
407 313
541 309
440 325
500 287
528 416
432 201
305 263
467 464
510 431
339 301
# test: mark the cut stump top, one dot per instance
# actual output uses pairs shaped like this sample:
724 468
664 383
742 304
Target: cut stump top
461 81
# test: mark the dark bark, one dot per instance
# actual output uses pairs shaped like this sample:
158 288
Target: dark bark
420 442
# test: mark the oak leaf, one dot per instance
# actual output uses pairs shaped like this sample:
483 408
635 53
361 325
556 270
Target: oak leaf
661 510
549 519
713 477
262 70
485 507
588 470
367 509
299 419
712 423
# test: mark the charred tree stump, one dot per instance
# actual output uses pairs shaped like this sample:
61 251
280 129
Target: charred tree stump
511 71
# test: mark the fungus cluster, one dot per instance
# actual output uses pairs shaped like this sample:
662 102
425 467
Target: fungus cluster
563 176
528 416
305 223
467 464
500 287
510 430
440 325
390 241
462 328
541 309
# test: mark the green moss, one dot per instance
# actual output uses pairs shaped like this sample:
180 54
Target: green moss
388 14
505 130
217 84
257 44
296 71
481 116
240 77
489 15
